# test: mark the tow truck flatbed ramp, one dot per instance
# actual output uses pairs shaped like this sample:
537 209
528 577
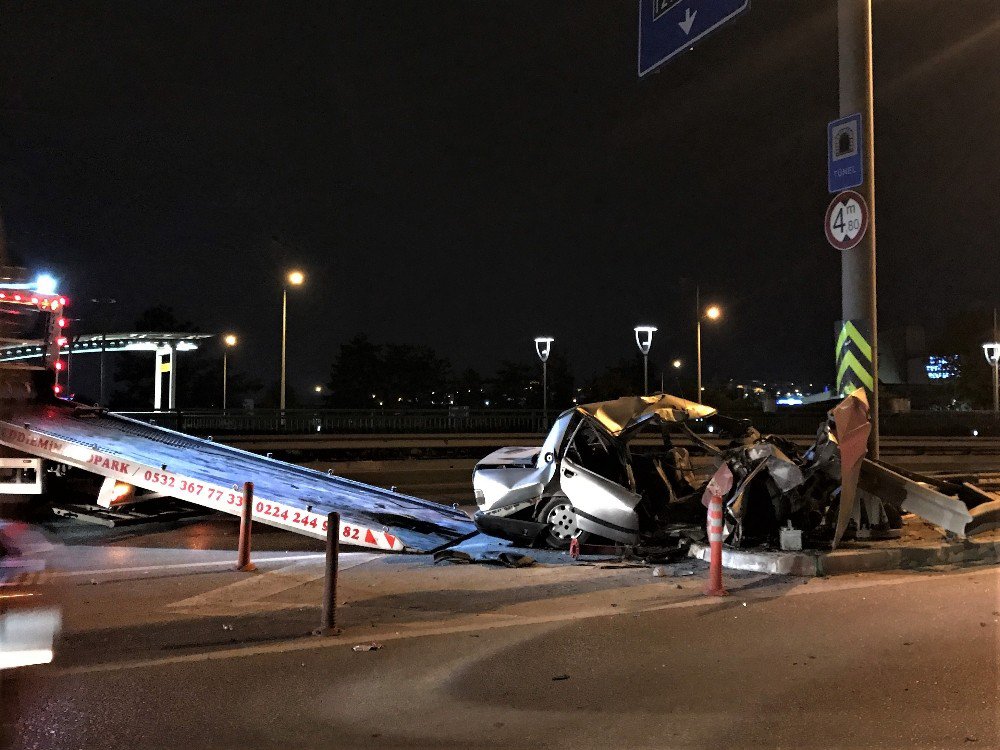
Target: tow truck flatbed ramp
212 475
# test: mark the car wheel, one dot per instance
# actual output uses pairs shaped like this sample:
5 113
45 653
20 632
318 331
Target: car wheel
558 513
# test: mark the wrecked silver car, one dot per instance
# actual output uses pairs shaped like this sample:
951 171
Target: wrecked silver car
584 481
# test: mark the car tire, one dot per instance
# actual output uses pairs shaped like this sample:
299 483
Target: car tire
558 513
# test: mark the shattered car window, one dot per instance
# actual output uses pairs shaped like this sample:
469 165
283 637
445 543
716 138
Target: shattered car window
594 451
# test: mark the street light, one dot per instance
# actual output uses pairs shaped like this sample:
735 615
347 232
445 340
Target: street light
295 278
230 341
543 347
676 364
712 312
644 340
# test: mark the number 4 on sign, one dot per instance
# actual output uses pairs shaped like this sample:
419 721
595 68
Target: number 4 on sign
838 224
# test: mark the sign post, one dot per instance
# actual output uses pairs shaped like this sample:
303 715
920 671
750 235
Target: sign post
858 293
668 27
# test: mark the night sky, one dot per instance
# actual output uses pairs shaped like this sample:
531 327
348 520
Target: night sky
467 175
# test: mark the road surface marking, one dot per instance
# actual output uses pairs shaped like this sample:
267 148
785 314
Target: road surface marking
505 621
248 593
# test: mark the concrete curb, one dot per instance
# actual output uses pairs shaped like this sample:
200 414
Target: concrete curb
808 563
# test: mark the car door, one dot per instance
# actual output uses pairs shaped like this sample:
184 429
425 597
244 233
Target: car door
602 507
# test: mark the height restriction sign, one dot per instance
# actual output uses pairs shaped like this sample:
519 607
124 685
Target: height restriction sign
846 220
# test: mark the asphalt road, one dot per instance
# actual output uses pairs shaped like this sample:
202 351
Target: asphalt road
165 646
187 653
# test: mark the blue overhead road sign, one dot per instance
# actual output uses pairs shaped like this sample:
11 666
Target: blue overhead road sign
668 27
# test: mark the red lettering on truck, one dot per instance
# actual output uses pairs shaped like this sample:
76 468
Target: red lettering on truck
23 438
108 463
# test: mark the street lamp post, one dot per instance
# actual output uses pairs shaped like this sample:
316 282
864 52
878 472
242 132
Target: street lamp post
543 347
676 364
104 333
992 352
230 341
712 312
295 278
644 340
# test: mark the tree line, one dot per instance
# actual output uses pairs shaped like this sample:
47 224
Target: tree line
368 374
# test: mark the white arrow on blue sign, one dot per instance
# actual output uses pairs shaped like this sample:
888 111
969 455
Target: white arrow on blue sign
668 27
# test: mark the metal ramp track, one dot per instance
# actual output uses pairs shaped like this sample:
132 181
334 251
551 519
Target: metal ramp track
212 475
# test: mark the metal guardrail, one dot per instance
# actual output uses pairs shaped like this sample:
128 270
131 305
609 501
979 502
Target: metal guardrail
487 421
343 421
892 445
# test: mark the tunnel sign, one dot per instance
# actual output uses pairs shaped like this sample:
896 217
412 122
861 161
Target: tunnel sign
845 168
846 220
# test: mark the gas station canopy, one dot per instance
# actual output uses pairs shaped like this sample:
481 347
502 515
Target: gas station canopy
110 342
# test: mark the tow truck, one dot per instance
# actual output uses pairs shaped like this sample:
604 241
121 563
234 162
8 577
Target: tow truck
45 434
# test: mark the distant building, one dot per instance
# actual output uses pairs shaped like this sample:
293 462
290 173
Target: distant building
903 355
910 371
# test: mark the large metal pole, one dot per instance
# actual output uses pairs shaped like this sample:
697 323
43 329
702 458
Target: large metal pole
858 301
284 334
225 362
645 374
697 328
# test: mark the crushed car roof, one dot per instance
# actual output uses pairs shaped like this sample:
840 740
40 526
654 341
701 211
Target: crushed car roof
629 412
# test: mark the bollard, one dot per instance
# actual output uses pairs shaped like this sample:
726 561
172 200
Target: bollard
243 563
328 621
715 536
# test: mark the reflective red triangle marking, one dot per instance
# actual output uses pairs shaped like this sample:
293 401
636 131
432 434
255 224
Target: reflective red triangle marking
391 539
370 537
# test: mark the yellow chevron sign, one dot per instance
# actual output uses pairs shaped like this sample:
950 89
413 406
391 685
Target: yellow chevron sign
850 362
854 359
850 332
